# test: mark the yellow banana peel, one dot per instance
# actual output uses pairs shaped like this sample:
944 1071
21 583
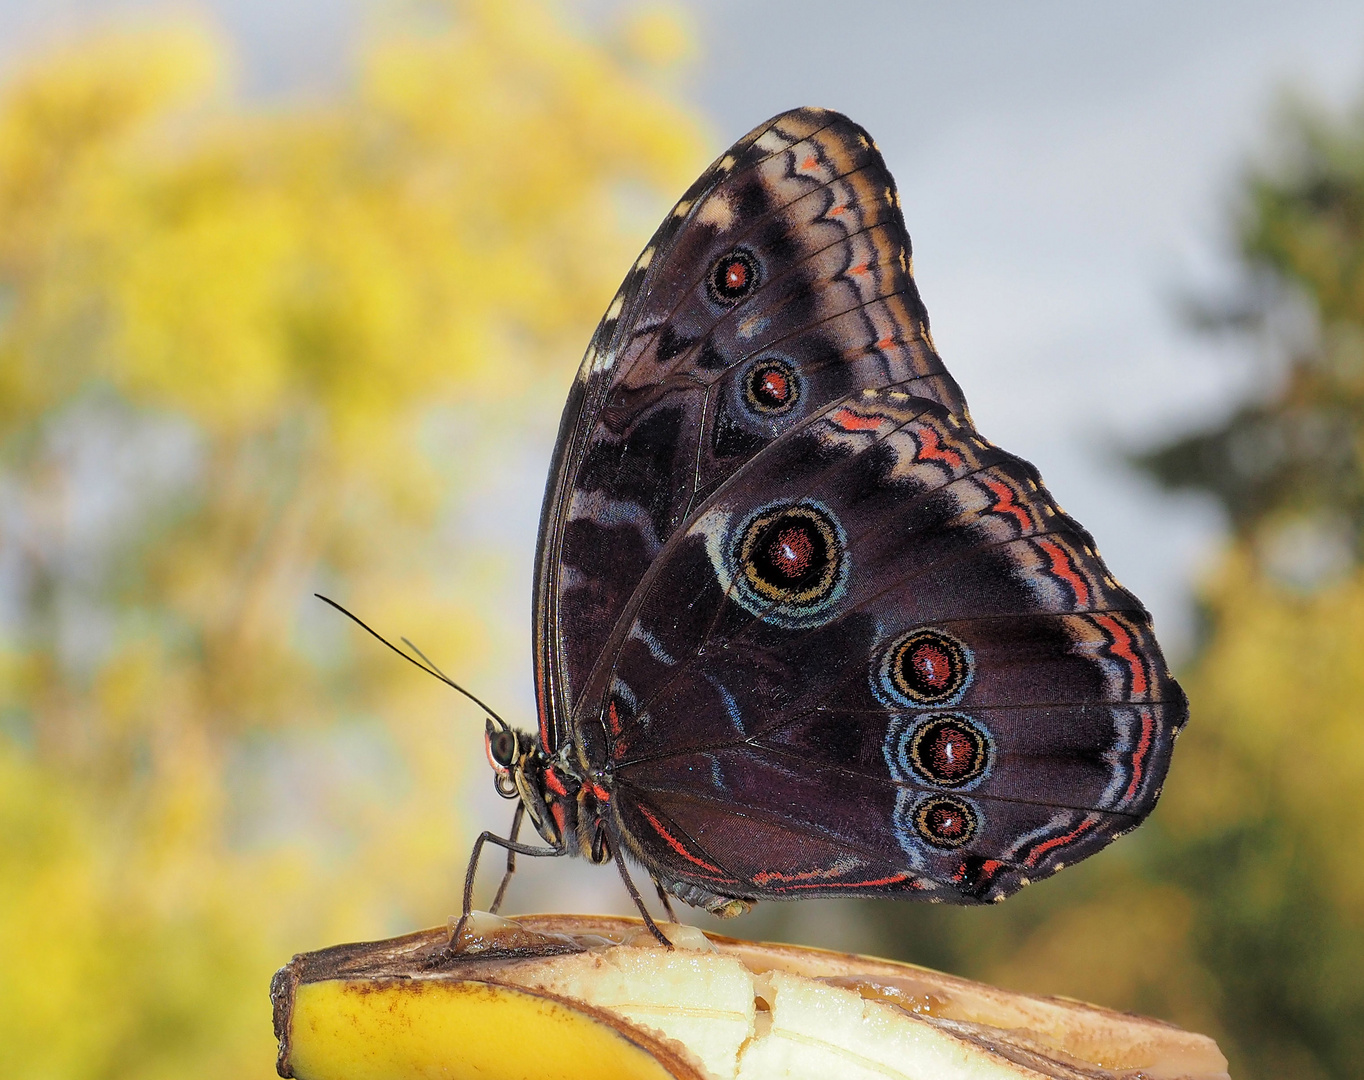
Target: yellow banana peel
546 997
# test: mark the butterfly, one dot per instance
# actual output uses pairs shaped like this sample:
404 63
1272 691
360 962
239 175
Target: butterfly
799 629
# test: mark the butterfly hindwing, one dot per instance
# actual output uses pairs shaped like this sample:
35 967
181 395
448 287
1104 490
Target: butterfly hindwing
780 282
947 686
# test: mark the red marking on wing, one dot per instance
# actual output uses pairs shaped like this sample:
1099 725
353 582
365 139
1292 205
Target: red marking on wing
838 210
859 269
764 876
1005 504
600 792
851 421
556 811
1122 648
674 843
932 449
885 343
871 884
613 718
1059 841
987 870
1063 568
1148 729
554 784
809 162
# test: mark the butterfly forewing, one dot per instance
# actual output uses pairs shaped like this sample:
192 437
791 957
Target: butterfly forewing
780 282
966 698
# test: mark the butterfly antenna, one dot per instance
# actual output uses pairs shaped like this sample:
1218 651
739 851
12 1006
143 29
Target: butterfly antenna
429 662
427 666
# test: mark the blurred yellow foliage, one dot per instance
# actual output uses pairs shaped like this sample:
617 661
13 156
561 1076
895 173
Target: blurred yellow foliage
243 324
1282 694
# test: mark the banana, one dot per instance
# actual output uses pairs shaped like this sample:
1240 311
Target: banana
545 997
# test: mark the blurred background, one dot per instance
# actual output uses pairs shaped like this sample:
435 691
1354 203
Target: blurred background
290 297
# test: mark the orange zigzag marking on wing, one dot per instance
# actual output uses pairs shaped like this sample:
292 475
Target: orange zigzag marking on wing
1148 726
1122 648
932 449
851 421
1062 567
1004 503
1059 841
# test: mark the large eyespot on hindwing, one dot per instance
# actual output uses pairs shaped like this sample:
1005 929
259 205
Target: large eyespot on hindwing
945 821
733 276
787 563
771 386
923 667
791 554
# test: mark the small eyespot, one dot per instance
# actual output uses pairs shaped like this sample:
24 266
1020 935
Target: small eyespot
945 822
948 750
733 277
791 555
925 667
771 386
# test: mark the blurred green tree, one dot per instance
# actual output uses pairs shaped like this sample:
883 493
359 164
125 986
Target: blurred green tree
1288 466
235 350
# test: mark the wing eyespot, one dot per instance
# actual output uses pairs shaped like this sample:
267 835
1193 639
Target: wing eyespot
734 276
944 821
786 562
791 555
924 667
948 750
771 386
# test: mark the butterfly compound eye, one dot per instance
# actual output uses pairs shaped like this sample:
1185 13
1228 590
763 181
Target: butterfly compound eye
733 277
771 386
501 746
945 822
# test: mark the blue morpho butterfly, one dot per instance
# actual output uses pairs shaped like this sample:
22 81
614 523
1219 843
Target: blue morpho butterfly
799 629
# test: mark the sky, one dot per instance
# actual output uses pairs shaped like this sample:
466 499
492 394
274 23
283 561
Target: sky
1066 168
1067 171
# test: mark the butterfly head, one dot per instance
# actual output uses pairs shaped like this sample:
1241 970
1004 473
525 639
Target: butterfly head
521 771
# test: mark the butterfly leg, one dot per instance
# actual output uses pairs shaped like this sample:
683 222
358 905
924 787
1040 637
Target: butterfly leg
511 858
512 847
665 900
639 900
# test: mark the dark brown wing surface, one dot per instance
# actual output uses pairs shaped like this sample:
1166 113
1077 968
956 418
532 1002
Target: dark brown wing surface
824 638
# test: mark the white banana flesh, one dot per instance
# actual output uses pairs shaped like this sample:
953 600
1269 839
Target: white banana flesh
557 996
